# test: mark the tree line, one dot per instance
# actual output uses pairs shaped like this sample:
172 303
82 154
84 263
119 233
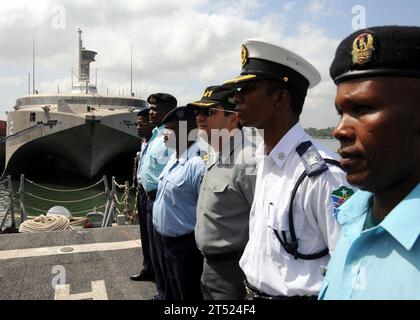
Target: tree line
320 133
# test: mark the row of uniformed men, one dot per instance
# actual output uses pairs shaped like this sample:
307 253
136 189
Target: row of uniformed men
266 225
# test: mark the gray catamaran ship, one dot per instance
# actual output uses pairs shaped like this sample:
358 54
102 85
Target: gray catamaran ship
82 129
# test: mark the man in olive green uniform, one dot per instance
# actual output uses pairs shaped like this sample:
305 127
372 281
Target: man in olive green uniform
226 195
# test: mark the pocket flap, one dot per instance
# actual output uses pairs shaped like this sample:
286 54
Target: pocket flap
219 187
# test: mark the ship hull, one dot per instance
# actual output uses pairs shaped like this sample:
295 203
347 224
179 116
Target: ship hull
86 148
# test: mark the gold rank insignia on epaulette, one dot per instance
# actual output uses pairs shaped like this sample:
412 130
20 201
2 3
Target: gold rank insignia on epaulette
205 157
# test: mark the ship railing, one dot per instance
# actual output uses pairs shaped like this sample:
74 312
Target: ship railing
10 206
91 212
129 213
117 209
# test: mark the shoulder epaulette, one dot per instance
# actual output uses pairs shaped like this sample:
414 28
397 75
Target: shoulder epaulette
312 160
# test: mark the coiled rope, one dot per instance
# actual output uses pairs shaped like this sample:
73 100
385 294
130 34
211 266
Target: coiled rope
43 224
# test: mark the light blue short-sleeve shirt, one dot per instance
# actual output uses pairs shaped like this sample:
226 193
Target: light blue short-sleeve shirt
154 160
174 211
378 263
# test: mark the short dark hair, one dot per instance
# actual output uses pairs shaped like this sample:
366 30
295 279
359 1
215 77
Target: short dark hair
297 97
227 114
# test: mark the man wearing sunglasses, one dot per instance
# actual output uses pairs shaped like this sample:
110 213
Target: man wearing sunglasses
226 195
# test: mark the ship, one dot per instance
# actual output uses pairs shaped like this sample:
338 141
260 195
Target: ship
81 131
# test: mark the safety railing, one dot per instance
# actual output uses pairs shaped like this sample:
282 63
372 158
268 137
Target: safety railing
116 202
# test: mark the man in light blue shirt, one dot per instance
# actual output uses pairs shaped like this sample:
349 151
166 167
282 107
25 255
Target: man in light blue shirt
174 211
157 154
376 262
145 132
153 161
378 255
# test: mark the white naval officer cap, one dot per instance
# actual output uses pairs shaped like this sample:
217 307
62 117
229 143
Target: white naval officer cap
265 60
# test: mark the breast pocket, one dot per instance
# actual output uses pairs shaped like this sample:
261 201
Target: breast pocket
217 197
218 187
174 187
278 220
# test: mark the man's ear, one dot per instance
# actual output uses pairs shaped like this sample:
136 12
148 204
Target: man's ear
234 120
281 98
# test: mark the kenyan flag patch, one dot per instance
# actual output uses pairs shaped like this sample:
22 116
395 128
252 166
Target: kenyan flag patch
340 196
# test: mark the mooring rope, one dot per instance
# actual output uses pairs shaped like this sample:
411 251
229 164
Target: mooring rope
65 201
70 190
43 223
73 213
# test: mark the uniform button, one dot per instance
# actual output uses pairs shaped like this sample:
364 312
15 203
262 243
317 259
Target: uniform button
282 156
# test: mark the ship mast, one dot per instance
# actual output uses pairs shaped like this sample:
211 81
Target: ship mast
86 57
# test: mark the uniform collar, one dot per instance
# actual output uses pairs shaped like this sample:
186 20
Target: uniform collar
402 222
285 147
235 141
188 154
356 206
158 130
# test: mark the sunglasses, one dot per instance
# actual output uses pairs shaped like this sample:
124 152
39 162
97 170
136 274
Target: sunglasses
208 112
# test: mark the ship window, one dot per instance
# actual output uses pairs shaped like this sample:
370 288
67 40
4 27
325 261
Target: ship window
32 117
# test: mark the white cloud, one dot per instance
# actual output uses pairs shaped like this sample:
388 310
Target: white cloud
320 8
180 49
12 81
288 6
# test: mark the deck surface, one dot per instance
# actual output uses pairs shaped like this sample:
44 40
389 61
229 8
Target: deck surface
73 265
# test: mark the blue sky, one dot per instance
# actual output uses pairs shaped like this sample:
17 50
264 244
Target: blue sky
180 47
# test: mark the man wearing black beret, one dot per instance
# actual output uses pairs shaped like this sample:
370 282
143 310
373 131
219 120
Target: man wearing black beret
377 72
154 160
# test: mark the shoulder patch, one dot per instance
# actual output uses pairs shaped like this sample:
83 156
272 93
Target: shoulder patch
205 157
312 160
340 196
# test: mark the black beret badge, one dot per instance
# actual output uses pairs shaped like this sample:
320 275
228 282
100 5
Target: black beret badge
244 55
363 49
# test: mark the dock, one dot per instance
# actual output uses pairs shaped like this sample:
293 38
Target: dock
85 264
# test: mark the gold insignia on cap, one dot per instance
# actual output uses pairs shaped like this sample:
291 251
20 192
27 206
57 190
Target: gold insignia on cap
207 94
286 79
363 48
152 100
244 55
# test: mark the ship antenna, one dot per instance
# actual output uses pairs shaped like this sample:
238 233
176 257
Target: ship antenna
131 70
80 54
33 66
